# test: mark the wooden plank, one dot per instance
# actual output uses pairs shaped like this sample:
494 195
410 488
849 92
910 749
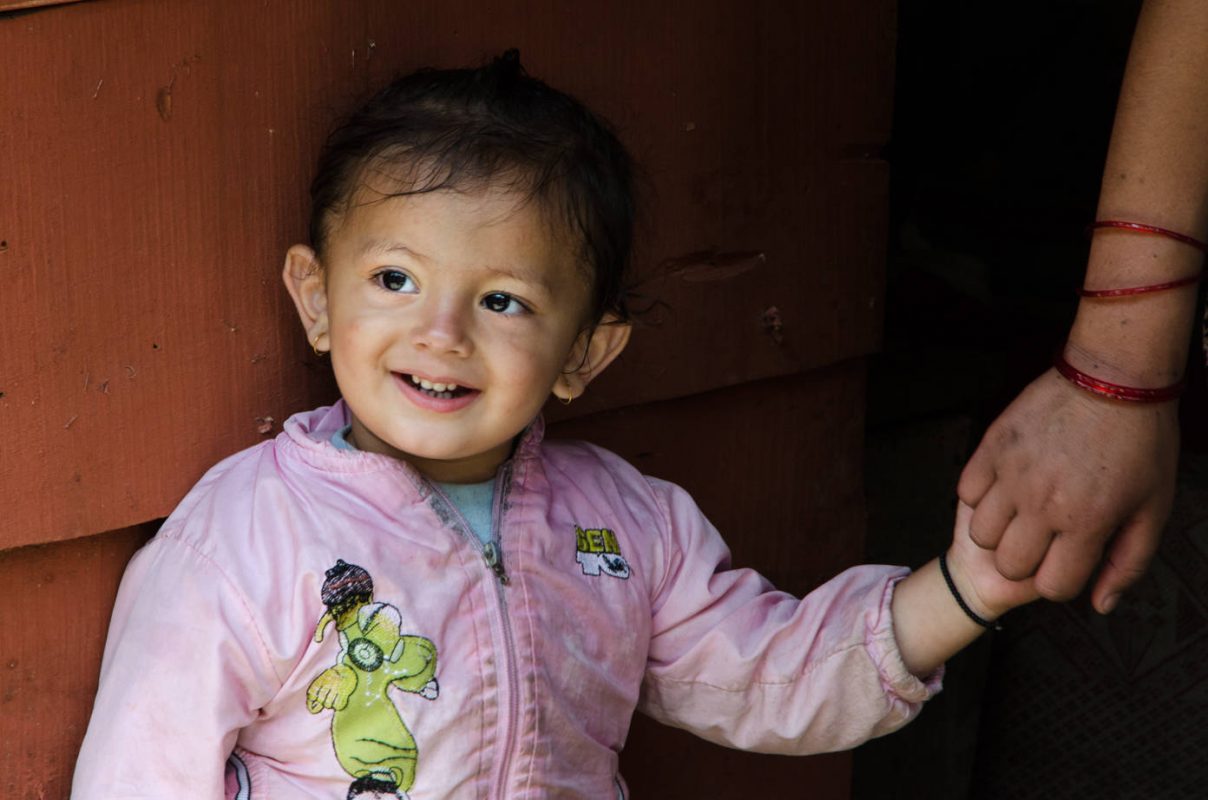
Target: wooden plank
155 157
57 603
29 5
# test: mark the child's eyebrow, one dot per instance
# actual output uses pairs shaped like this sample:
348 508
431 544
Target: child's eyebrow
531 277
378 247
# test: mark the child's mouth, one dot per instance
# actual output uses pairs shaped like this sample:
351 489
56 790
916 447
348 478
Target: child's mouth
443 391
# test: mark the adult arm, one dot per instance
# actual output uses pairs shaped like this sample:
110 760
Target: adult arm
1061 471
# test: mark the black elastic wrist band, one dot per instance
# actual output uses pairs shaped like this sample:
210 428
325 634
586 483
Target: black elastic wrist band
960 601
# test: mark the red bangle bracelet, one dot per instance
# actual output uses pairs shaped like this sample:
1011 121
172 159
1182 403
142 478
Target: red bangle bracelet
1114 391
1133 290
1140 227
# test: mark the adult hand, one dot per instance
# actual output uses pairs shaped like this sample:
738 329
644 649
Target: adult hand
1059 474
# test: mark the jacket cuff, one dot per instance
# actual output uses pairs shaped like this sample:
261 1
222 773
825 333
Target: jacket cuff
906 693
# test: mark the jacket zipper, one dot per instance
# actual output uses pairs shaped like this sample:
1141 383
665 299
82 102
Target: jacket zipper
492 554
503 482
491 551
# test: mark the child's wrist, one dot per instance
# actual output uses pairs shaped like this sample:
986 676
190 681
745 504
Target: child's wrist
968 592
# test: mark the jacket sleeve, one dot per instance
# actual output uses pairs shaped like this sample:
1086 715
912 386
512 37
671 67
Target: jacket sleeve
184 669
740 664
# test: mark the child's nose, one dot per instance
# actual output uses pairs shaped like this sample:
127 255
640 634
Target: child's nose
443 327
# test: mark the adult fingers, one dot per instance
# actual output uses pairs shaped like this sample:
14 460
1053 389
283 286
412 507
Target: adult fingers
1127 559
977 477
991 517
1068 564
1023 547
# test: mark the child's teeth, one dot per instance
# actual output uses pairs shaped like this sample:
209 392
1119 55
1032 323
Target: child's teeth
433 387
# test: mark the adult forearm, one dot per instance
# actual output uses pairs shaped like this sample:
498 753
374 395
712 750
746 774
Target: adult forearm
1156 173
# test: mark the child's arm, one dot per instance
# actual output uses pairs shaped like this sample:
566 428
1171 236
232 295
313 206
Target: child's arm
927 620
739 663
184 670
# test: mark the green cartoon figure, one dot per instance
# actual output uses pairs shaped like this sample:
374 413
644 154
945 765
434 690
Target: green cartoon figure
371 742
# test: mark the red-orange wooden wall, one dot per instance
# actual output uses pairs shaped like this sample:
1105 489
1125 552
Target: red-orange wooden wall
153 164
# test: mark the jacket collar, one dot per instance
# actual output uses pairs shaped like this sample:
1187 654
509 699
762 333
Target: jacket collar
308 435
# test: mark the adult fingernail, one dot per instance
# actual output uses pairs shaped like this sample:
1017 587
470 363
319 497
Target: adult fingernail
1109 603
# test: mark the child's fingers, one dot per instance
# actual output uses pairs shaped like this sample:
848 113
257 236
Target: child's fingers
964 516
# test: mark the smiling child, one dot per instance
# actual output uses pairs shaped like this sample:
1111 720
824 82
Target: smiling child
409 594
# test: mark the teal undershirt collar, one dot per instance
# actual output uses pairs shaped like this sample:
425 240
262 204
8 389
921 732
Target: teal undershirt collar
473 500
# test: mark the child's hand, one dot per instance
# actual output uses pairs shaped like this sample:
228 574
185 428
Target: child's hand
976 576
929 625
331 689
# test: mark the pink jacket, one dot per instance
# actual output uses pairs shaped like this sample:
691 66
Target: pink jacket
328 619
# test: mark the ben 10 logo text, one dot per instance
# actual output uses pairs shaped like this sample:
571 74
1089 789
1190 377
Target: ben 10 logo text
598 552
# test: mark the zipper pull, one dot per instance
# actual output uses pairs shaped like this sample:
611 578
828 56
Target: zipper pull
494 559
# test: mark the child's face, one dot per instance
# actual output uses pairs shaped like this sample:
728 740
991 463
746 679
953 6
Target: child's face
468 290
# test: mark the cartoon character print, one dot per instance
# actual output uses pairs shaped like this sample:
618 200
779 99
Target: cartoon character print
370 739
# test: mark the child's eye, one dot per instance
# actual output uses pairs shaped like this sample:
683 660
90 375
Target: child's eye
393 280
502 303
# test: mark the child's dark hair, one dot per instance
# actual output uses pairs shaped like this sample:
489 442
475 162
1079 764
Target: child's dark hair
471 128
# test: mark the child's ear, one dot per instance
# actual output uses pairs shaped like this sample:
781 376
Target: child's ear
307 286
594 350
